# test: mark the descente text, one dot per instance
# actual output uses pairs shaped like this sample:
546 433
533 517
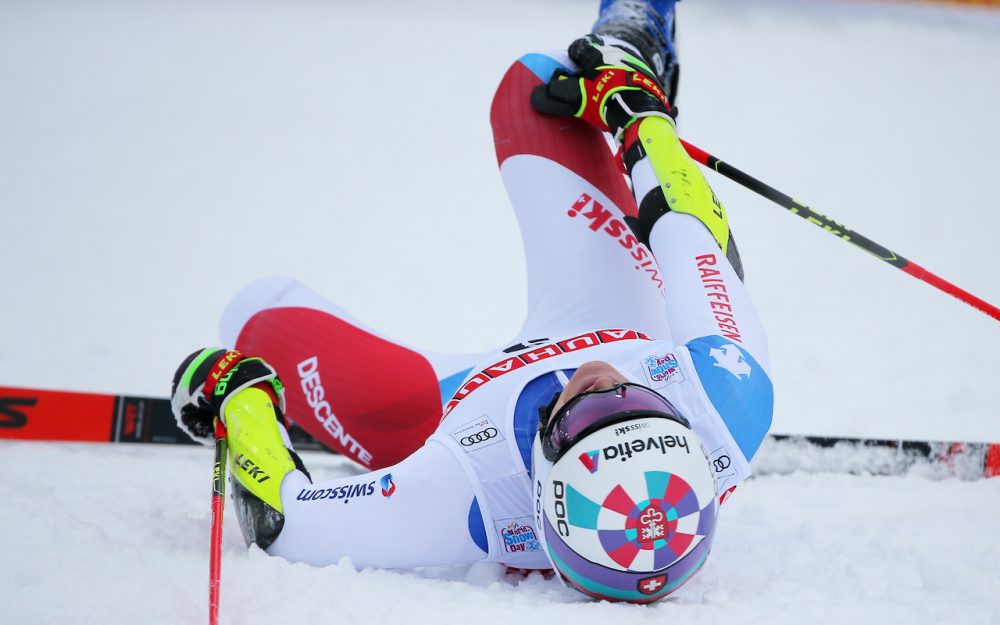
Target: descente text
312 388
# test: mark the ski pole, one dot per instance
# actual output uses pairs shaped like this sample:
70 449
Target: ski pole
218 501
839 230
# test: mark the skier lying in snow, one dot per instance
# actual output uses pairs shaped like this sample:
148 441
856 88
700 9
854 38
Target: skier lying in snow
602 442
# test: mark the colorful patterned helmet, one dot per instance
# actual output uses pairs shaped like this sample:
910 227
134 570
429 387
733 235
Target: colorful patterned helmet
624 494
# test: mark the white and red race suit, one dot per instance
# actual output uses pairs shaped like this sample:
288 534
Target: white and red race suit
447 444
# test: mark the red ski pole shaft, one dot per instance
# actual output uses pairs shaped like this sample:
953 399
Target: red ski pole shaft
839 230
218 502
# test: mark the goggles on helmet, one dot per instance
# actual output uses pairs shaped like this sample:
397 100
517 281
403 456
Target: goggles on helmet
593 410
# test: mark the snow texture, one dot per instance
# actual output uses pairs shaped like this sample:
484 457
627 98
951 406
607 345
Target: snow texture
157 156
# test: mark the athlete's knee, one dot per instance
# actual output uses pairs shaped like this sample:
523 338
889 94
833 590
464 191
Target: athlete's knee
250 300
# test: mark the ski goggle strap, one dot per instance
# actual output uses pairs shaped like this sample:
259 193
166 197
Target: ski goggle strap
593 410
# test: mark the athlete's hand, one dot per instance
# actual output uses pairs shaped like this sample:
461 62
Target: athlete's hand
206 380
612 89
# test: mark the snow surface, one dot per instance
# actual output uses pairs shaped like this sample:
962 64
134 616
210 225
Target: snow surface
145 144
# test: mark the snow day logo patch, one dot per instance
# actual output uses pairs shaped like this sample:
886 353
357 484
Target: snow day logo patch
519 536
662 370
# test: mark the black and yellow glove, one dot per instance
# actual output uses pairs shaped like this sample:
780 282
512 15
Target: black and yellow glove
612 89
206 379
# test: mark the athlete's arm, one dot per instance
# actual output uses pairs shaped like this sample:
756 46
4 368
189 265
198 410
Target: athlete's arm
707 306
689 235
683 223
705 296
710 313
419 512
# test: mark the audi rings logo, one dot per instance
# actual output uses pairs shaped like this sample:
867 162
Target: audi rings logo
479 437
721 463
477 434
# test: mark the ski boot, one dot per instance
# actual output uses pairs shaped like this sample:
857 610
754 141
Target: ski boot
649 27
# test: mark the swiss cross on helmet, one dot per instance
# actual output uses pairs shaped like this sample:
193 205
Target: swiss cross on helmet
624 494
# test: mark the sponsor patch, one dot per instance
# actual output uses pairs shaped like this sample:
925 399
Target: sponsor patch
662 370
518 535
631 427
478 434
662 444
590 459
722 464
717 295
602 220
388 486
248 466
343 493
314 392
513 363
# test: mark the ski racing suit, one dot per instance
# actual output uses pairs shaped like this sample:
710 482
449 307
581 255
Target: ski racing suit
673 316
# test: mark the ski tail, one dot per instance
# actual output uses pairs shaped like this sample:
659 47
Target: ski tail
30 414
35 414
783 453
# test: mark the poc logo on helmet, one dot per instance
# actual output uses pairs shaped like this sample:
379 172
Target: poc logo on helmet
559 493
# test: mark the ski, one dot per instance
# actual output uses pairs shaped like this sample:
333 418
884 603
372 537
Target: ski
784 453
76 417
68 416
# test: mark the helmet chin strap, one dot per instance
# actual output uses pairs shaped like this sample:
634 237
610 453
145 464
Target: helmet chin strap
545 413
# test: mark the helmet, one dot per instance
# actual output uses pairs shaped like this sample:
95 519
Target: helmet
624 494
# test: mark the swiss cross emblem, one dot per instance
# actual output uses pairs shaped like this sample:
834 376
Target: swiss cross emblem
651 585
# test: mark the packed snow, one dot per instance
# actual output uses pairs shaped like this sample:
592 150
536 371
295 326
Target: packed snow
157 156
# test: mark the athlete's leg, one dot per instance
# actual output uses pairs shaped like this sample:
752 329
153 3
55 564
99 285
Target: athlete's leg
358 392
585 268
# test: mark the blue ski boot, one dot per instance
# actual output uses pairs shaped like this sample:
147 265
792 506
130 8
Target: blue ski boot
649 26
